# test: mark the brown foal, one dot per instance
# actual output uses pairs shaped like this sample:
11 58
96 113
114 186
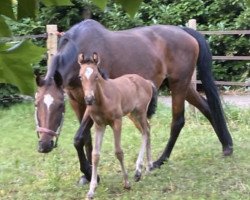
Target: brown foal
108 100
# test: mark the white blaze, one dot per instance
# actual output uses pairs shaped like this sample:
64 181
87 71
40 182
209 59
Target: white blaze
88 72
48 100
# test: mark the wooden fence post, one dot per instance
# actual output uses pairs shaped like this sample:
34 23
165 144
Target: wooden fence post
51 41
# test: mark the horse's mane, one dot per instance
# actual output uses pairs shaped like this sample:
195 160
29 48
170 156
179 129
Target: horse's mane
68 49
66 55
103 73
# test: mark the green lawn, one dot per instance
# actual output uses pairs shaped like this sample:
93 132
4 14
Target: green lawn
196 169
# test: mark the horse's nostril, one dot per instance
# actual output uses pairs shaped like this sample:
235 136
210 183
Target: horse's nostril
89 100
45 147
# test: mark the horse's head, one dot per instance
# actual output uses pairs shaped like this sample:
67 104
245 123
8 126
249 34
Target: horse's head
49 111
90 75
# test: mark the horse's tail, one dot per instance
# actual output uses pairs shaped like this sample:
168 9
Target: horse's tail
153 102
204 66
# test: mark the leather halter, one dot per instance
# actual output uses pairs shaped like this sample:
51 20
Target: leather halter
49 131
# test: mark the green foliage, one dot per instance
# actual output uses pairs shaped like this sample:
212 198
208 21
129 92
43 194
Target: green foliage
9 95
12 61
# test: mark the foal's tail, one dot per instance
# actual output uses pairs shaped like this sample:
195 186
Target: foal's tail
153 102
204 65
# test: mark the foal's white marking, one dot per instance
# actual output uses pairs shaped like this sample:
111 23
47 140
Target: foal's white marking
88 72
48 100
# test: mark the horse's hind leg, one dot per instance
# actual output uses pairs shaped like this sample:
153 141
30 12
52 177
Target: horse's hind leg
99 132
116 126
141 123
194 98
178 121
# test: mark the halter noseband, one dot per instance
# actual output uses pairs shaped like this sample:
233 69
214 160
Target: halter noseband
49 131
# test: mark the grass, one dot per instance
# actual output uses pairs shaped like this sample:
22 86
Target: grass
196 169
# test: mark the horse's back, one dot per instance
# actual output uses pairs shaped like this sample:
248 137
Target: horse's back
153 52
134 90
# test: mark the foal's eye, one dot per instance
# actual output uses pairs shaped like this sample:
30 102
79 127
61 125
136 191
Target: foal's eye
80 77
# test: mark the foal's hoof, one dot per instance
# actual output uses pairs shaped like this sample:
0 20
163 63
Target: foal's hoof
228 151
127 186
137 176
89 196
83 181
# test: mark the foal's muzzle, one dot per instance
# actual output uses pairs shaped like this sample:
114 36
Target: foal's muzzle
89 100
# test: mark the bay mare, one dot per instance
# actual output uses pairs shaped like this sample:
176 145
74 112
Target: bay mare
108 100
160 53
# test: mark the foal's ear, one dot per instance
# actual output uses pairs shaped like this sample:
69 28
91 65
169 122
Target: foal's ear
95 58
39 79
80 58
58 79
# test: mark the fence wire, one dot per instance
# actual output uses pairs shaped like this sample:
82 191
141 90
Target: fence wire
23 37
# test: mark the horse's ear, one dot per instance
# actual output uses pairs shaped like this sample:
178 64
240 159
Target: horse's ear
96 58
80 58
39 79
58 79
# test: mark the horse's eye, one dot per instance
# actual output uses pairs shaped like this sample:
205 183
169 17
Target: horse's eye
80 77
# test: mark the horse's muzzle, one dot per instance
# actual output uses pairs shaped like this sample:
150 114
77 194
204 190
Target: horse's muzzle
45 147
89 100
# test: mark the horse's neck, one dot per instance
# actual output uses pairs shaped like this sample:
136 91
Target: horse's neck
101 92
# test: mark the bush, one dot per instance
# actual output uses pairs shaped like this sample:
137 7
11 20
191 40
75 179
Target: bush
210 15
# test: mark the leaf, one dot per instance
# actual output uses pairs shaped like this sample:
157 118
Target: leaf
15 65
130 6
4 28
6 8
27 8
57 2
100 3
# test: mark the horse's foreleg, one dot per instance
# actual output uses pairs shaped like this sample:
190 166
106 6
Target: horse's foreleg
80 140
99 132
116 126
194 98
178 121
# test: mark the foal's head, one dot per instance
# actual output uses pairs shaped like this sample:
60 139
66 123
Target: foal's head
49 111
90 74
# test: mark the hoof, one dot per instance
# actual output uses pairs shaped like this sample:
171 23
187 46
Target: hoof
137 176
90 195
150 168
127 186
157 164
228 151
83 181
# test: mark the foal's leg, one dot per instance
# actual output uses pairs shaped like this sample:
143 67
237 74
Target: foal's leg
198 101
116 126
140 121
178 120
99 132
